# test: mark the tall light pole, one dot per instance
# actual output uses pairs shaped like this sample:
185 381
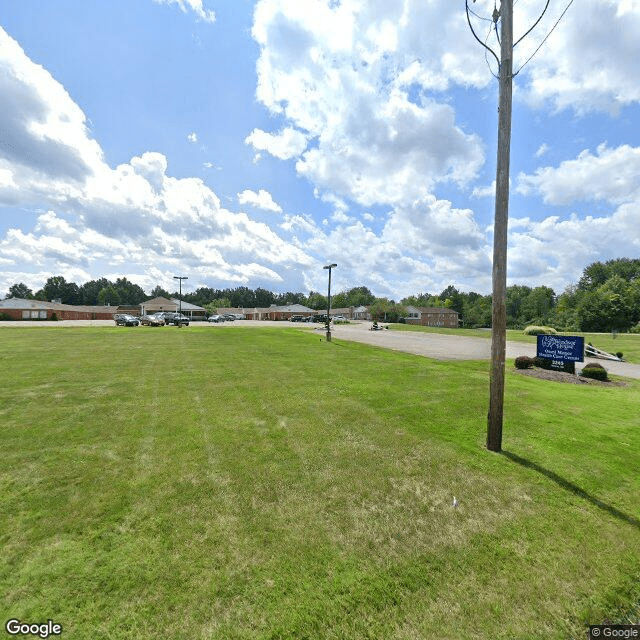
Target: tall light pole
180 278
329 266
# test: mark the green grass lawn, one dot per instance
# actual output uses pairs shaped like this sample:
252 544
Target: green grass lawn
627 343
262 483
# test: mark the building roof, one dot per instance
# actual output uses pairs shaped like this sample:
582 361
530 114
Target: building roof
24 304
186 306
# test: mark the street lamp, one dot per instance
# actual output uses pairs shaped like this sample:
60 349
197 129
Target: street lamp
180 278
329 266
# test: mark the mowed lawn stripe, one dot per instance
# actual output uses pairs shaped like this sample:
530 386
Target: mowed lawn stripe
261 483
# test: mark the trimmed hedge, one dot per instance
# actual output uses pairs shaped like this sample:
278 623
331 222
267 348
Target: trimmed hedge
595 371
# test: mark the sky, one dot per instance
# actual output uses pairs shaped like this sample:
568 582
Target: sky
251 142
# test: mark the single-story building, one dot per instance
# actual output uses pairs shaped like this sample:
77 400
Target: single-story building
274 312
361 313
22 309
192 311
432 317
157 305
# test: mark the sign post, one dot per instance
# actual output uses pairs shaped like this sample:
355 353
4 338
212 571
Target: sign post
560 350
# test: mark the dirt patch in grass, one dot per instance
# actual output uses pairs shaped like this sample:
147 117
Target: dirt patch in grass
569 378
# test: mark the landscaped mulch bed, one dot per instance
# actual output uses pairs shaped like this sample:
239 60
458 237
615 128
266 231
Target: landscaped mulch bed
561 376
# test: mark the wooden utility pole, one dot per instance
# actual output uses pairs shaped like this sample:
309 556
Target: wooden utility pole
499 275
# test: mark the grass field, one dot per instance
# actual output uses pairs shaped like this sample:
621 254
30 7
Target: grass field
627 343
262 483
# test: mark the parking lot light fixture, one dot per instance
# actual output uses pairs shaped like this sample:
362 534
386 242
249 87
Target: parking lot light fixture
180 278
329 266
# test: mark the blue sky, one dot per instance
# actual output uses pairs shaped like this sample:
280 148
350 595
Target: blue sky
248 143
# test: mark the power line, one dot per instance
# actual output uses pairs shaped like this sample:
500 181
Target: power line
545 38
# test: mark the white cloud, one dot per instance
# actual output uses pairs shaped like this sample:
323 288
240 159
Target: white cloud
45 147
589 61
286 144
136 214
262 200
195 5
344 73
192 137
542 150
612 175
554 251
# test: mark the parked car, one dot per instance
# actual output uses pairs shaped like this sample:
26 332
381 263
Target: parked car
171 317
320 317
215 318
178 319
153 320
338 318
126 320
297 318
229 317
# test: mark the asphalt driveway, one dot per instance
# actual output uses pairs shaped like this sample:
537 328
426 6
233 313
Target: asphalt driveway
451 347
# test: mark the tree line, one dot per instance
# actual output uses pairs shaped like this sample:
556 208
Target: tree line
606 298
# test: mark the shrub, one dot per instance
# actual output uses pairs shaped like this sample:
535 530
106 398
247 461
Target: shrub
635 329
542 363
54 317
619 354
524 362
5 316
595 371
533 330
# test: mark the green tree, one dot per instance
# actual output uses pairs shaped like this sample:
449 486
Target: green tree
339 300
262 298
385 310
454 297
89 290
316 300
159 292
608 308
129 293
57 288
477 311
359 297
109 295
20 290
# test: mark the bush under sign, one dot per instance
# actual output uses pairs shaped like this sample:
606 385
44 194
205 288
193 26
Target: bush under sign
561 348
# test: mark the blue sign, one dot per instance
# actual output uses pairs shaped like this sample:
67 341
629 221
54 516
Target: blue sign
561 348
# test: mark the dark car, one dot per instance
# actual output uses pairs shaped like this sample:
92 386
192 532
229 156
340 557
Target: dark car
171 317
180 320
320 317
126 320
297 318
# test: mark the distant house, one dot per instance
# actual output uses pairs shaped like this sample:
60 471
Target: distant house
21 309
361 313
432 317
